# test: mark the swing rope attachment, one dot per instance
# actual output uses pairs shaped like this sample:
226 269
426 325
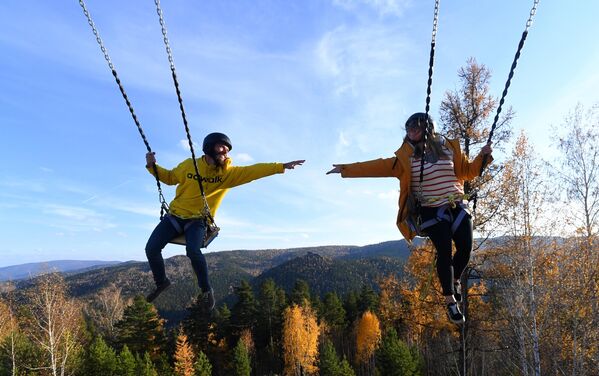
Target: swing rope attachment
212 229
163 204
533 11
431 62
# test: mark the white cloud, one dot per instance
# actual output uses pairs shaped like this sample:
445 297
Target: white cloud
184 144
383 7
243 158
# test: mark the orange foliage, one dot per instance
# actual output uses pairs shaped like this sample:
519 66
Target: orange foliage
184 356
300 340
368 336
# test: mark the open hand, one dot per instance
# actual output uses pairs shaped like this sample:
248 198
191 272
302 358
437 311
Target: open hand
336 169
291 165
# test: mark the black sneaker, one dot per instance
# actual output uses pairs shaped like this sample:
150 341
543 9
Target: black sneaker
457 291
454 314
159 290
208 299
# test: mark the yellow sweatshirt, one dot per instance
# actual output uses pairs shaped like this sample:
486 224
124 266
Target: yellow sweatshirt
188 201
400 167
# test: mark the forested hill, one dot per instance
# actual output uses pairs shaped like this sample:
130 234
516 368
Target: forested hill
326 268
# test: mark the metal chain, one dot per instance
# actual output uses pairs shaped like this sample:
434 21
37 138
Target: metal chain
533 11
431 62
163 205
183 115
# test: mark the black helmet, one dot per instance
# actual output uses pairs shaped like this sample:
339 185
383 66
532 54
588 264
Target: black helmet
214 138
419 119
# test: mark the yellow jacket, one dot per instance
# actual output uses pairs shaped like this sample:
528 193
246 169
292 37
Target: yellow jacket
400 167
216 181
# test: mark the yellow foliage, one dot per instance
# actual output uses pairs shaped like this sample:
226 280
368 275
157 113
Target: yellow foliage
248 341
184 356
300 340
368 336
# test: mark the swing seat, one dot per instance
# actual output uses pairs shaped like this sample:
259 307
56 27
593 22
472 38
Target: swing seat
211 233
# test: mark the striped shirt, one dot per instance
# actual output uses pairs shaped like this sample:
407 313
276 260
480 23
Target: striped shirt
439 183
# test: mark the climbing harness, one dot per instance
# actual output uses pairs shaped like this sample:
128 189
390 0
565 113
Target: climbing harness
211 228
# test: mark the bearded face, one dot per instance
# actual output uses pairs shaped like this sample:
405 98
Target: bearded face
220 154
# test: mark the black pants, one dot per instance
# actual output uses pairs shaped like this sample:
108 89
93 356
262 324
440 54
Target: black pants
449 267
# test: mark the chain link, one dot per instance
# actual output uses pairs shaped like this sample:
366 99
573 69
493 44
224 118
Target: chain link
163 205
533 12
96 34
169 53
435 21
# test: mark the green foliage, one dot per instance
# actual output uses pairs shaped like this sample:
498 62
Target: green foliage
101 360
394 358
300 293
141 328
26 353
345 369
126 363
241 360
196 324
368 300
244 312
328 362
202 365
144 366
332 311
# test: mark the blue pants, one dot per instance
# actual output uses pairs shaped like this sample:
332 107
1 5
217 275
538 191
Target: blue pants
194 237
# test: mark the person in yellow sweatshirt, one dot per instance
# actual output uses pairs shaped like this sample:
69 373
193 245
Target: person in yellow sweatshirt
186 212
437 184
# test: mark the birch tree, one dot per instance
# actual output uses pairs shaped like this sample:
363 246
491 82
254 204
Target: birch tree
56 324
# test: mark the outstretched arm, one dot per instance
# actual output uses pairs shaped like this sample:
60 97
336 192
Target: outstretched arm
377 168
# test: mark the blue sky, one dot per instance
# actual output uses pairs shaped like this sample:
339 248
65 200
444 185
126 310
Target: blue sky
326 81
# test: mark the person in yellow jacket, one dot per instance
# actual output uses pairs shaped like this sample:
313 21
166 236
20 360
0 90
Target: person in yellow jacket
433 205
186 210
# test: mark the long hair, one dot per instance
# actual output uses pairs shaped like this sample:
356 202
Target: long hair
434 142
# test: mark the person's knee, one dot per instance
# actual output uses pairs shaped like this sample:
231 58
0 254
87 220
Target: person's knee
152 250
193 253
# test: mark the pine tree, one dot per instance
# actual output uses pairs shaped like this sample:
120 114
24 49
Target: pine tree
300 293
394 357
126 363
141 329
184 358
368 299
333 312
202 365
241 360
144 366
328 362
197 324
101 359
244 313
345 369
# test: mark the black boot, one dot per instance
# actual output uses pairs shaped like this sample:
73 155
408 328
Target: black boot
159 290
454 314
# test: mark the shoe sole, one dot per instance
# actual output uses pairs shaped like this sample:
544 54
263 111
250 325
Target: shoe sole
158 293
